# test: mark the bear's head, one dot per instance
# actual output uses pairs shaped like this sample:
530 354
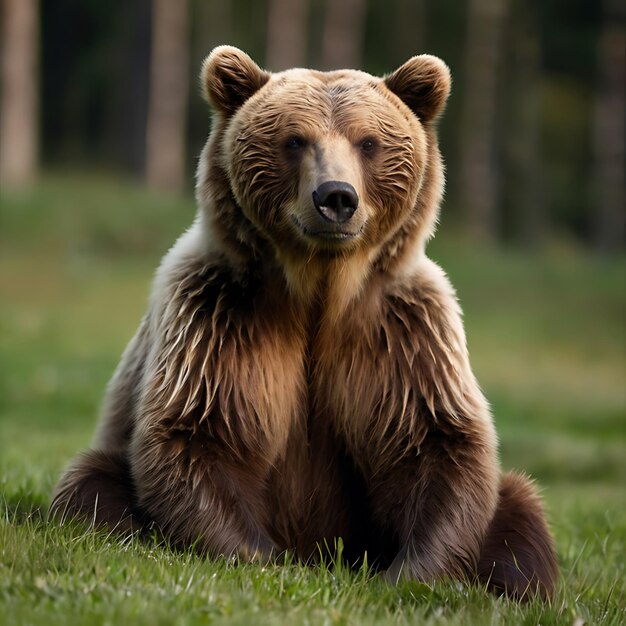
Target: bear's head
312 167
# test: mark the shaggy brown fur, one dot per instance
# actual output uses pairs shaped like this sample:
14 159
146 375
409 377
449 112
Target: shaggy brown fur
517 555
296 380
96 488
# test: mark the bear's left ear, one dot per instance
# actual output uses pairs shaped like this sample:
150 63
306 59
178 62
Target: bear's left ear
229 77
423 84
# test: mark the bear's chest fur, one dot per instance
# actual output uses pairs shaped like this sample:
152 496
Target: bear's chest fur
253 365
315 401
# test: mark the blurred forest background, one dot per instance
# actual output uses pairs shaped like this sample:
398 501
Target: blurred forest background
533 136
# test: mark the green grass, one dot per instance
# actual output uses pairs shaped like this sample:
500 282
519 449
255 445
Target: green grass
547 338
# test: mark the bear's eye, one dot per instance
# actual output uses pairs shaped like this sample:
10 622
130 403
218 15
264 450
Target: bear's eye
295 142
368 145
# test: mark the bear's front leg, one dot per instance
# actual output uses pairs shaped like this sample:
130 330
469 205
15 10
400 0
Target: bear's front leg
202 495
438 503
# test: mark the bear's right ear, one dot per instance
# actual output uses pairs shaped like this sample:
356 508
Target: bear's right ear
229 77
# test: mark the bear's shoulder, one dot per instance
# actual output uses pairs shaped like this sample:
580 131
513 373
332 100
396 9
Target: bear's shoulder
195 266
194 279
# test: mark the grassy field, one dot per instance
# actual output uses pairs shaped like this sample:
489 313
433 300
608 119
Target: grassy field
547 339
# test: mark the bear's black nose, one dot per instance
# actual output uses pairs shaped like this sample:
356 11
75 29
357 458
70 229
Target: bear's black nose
336 201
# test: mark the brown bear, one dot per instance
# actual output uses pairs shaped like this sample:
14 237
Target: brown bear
301 373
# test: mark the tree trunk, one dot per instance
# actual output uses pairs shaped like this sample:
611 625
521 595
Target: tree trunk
286 34
524 179
167 106
18 107
608 133
409 29
479 175
138 86
343 33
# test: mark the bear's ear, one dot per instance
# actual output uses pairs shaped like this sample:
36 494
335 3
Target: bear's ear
229 77
423 84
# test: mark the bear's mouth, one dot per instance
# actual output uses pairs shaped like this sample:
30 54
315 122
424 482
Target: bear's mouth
331 234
